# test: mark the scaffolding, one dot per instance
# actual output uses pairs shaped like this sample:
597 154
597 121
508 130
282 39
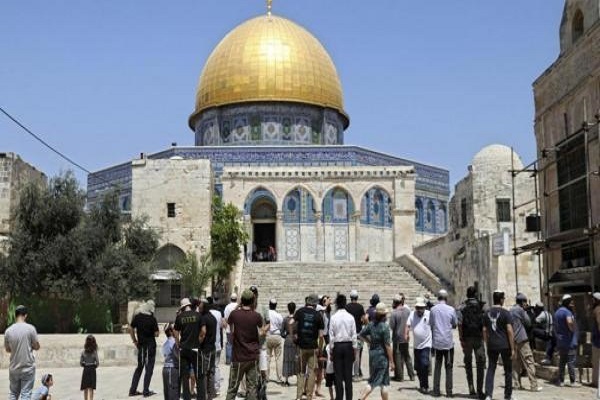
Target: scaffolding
548 243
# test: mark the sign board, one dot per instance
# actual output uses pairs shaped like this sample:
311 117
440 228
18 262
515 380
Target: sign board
500 244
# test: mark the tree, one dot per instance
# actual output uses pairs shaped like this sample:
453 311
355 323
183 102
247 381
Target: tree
227 236
58 251
195 275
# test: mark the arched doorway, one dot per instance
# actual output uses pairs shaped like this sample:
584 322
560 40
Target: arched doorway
262 208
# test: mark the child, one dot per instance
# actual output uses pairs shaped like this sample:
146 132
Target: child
171 367
89 362
329 374
43 392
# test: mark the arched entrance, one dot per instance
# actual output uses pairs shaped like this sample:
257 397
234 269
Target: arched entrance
262 208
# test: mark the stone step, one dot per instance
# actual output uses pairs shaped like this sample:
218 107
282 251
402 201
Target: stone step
293 281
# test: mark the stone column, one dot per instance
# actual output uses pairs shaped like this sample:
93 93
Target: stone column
404 214
319 254
279 237
354 237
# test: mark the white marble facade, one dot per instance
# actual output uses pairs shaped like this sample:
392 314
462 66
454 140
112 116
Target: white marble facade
334 233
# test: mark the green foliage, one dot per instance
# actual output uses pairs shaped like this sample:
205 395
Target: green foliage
195 275
57 251
227 236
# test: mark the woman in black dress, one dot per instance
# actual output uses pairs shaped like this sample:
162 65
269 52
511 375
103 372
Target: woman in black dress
89 362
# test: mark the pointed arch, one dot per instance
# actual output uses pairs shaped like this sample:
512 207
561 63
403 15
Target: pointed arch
419 214
259 193
298 206
442 218
375 207
338 205
168 256
429 217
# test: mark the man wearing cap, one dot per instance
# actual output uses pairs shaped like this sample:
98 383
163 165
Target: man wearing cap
143 331
246 325
443 321
190 331
524 358
595 338
20 339
308 336
233 304
566 339
358 312
274 339
419 323
498 335
398 321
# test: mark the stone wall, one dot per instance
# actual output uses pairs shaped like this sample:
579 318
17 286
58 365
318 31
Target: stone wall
567 96
185 183
14 174
478 246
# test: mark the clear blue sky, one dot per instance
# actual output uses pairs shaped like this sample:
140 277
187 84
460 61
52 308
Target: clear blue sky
432 81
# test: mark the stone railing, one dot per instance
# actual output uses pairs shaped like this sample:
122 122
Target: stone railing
423 274
64 350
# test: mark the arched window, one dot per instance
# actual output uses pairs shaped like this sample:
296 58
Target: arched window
442 218
419 214
337 206
577 26
292 207
430 216
298 206
168 256
375 207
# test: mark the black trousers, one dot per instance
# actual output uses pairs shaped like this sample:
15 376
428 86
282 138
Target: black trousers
493 356
474 345
188 360
343 360
170 383
206 376
146 358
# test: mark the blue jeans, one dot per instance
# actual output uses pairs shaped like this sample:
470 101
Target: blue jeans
566 357
21 384
422 366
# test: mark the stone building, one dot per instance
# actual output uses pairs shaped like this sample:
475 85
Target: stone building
567 104
268 126
14 174
478 247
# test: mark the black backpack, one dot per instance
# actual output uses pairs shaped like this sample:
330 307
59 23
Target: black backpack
284 327
472 319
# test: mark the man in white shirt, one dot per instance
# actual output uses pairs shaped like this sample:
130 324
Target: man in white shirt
228 309
342 343
443 321
274 339
418 322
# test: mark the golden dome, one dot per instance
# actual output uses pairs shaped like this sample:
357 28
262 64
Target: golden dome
269 58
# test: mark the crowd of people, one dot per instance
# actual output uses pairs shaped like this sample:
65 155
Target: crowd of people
323 341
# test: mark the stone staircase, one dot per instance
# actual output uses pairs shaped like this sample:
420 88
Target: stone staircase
288 281
583 369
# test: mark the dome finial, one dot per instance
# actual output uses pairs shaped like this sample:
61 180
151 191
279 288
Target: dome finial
269 7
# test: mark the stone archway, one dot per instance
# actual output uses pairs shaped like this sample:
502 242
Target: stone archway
262 209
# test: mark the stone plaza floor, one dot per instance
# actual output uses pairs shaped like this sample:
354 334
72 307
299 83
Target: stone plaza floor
113 384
